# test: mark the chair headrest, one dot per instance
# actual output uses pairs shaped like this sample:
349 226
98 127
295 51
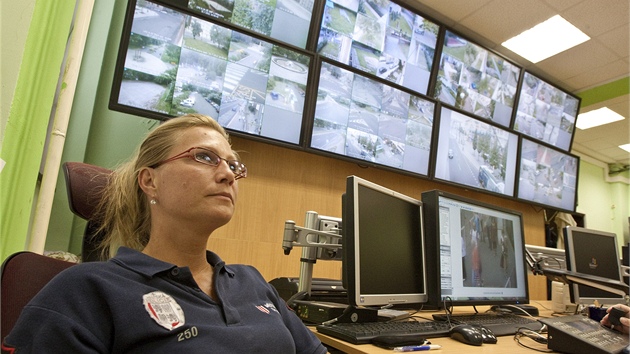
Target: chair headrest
85 184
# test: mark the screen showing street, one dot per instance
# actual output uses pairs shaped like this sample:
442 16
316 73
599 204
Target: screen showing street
285 20
546 113
474 153
361 118
475 80
547 176
177 64
381 38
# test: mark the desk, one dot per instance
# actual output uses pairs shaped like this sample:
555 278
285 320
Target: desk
505 344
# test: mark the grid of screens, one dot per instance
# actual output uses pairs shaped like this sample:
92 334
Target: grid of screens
271 18
546 113
383 246
475 80
176 64
595 253
547 176
480 250
362 118
349 78
381 38
474 153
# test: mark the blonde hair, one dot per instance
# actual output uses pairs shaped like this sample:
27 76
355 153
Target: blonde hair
124 211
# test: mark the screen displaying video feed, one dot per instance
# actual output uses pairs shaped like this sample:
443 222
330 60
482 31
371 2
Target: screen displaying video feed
358 117
474 153
381 38
285 20
547 176
176 64
546 113
475 80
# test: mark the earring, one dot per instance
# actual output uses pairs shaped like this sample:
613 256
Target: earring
153 202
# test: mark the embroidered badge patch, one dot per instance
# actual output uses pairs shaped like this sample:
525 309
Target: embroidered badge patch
266 307
164 310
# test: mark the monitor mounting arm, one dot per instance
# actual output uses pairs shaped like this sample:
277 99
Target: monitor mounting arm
569 277
316 245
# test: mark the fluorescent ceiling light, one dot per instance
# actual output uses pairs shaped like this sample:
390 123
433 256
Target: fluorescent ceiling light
597 117
625 147
546 39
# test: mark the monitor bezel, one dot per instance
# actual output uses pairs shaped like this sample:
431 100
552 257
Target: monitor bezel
431 203
571 259
351 275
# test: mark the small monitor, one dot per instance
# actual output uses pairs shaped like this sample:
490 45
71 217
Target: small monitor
596 253
383 245
478 250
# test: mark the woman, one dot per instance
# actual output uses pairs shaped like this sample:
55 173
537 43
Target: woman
163 291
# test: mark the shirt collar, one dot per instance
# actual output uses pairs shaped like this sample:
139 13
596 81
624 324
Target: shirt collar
149 266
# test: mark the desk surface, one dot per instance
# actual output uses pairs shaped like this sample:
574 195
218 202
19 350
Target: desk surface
505 344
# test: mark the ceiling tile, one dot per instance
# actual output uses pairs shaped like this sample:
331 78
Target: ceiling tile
598 76
618 40
597 17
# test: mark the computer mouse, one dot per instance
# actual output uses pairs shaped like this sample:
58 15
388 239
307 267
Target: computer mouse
487 334
466 334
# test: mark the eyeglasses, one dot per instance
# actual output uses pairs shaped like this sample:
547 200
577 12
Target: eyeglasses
208 157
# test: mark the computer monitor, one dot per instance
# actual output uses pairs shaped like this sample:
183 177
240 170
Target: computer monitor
478 251
383 246
592 252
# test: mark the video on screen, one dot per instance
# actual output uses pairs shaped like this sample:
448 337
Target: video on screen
547 176
285 20
474 153
361 118
475 80
177 64
381 38
546 113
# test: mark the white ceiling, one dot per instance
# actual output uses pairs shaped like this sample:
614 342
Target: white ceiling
601 60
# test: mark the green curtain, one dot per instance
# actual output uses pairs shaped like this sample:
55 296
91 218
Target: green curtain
25 133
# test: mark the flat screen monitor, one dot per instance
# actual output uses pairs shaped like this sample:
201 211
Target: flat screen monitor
361 118
476 80
593 252
547 176
474 153
479 250
546 113
381 38
383 246
172 63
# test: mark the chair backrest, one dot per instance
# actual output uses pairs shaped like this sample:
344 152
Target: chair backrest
24 274
85 184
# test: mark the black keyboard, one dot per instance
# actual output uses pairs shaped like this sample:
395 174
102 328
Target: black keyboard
501 324
362 333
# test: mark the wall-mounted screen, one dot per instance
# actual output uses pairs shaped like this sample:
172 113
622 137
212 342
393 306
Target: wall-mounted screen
358 117
474 153
547 176
546 113
476 80
171 63
381 38
285 20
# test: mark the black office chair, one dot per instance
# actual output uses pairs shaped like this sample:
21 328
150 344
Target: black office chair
24 274
85 184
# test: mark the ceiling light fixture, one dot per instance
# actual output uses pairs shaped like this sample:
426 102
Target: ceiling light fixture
596 118
546 39
625 147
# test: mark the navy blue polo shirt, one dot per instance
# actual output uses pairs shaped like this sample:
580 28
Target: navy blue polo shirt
134 303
